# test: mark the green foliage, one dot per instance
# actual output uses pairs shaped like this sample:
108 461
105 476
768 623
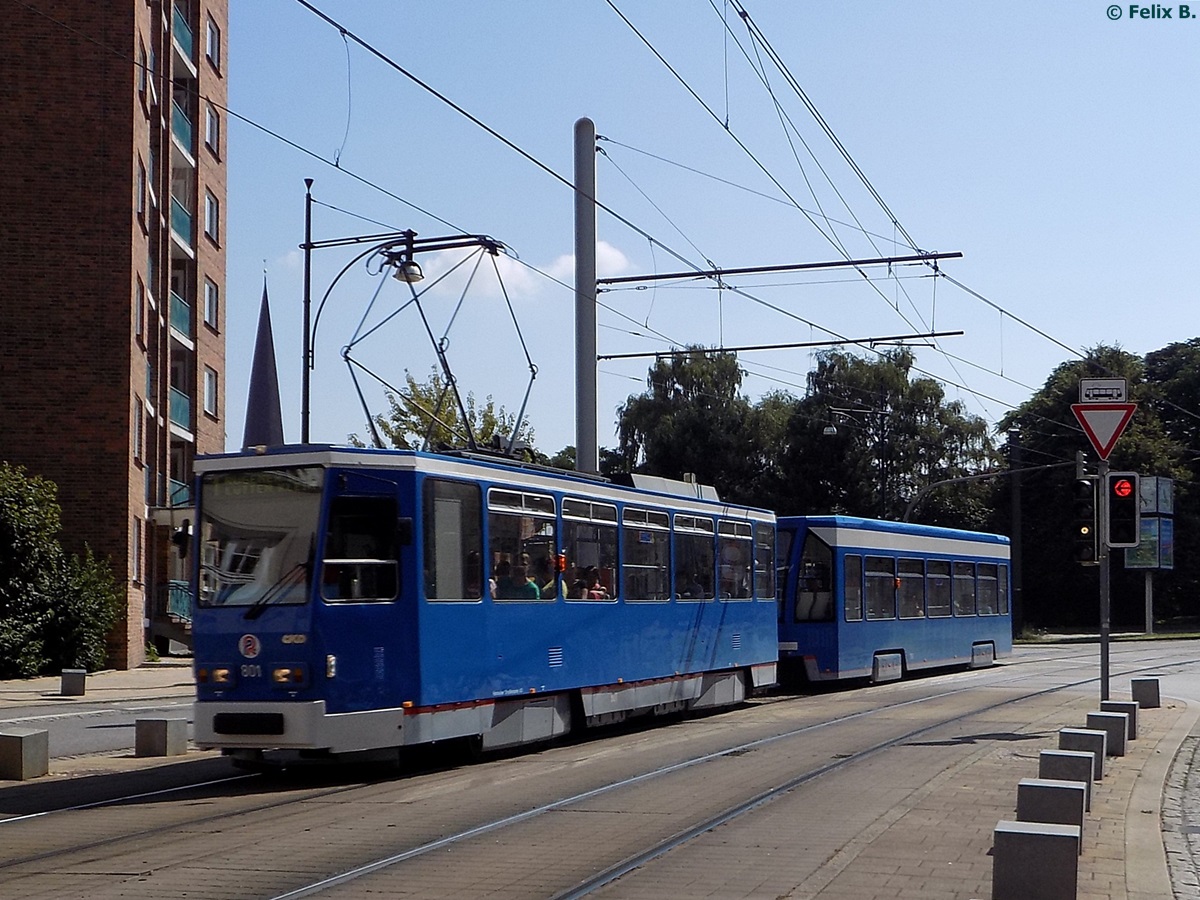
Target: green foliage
31 568
85 607
1057 591
427 411
692 419
894 435
55 611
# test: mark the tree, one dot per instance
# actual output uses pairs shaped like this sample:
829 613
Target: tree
429 412
31 563
84 609
868 436
693 420
55 611
1056 591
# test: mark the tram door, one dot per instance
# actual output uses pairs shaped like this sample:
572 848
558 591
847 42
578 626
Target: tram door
360 587
814 581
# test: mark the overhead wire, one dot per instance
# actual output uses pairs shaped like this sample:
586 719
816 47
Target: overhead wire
335 164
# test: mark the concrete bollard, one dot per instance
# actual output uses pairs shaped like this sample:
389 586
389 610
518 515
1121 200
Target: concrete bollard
1069 765
74 682
1129 707
1035 861
1145 692
1115 725
160 737
1051 800
1089 740
24 753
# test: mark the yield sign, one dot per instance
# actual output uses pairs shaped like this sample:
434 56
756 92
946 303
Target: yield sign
1103 423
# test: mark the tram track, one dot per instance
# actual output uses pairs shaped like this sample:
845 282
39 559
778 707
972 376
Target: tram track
688 834
360 792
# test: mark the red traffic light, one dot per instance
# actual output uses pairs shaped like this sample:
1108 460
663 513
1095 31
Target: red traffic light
1122 487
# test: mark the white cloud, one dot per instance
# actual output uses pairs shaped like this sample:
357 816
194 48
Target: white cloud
610 261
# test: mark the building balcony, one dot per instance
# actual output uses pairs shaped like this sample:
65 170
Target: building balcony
182 32
183 223
181 493
181 409
178 600
183 131
181 315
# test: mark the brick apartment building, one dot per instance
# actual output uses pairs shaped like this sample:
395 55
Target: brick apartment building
112 349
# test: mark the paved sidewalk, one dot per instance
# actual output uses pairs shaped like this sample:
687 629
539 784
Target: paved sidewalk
169 678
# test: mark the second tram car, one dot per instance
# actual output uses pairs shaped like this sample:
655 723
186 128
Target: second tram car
861 598
349 600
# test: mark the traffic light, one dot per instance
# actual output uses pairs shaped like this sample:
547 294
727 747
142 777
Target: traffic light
1083 529
1124 510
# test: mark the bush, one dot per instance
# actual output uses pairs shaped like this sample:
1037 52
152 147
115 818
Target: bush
85 607
55 611
31 564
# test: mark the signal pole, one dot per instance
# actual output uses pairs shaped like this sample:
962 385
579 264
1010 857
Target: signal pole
1102 555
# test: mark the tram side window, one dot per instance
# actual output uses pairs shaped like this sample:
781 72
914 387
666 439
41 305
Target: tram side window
453 540
522 546
852 586
912 588
734 551
590 545
360 550
814 582
1002 588
764 562
646 548
695 560
881 587
964 589
988 590
937 582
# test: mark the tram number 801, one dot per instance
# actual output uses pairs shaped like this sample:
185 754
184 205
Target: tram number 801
251 670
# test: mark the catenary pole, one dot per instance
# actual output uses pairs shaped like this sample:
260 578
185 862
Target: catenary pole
304 398
587 450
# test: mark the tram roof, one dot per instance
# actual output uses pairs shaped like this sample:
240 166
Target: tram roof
882 526
661 491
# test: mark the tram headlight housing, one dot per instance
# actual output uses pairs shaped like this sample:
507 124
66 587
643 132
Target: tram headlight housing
218 676
289 676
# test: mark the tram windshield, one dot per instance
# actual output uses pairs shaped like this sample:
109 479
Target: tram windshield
258 535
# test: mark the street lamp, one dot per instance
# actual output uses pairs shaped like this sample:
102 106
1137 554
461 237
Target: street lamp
398 249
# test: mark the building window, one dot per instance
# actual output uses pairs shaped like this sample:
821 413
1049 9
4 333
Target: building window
212 130
210 391
212 44
212 216
139 310
139 199
136 541
142 77
212 299
139 419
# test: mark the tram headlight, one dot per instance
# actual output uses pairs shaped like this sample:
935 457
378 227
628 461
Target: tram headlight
288 676
216 676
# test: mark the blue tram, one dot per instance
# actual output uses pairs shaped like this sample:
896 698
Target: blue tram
349 600
864 598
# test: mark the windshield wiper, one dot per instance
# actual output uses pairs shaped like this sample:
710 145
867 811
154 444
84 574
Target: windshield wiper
276 590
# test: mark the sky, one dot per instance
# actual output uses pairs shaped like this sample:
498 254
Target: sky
1053 145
